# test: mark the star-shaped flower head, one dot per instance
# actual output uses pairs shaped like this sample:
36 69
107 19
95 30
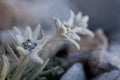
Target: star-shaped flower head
66 32
79 22
28 43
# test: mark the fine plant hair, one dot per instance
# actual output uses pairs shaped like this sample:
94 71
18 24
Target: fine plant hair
33 49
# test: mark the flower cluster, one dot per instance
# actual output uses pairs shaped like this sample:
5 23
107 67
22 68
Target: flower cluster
29 44
34 46
70 29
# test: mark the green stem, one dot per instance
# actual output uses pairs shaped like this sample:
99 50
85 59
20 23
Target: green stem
37 71
50 70
20 69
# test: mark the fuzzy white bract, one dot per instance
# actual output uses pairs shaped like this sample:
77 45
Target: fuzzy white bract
79 22
71 29
66 32
28 43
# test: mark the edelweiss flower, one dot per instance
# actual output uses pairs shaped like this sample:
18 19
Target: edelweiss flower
28 43
79 22
66 32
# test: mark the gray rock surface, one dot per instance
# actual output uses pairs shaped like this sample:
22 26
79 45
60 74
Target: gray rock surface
114 49
98 42
76 72
102 61
113 75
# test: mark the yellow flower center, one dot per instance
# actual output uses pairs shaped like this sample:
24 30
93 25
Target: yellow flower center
69 29
29 43
78 22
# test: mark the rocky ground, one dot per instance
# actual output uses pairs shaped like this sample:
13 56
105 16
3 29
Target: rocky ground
97 59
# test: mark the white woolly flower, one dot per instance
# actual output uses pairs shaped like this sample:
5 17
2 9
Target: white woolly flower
66 32
28 43
79 22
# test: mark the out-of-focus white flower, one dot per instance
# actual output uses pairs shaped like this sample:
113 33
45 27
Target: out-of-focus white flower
28 43
66 32
71 20
76 24
79 22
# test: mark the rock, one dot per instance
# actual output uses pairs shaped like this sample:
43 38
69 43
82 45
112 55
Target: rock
113 75
75 57
114 49
102 61
76 72
98 42
42 78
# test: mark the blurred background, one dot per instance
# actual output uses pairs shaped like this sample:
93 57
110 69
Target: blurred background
103 14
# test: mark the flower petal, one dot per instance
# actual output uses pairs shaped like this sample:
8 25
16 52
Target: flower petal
70 21
64 36
37 50
83 31
75 37
36 31
59 26
85 20
72 14
57 22
43 41
79 15
41 34
74 42
17 31
12 35
19 39
22 50
28 33
36 58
